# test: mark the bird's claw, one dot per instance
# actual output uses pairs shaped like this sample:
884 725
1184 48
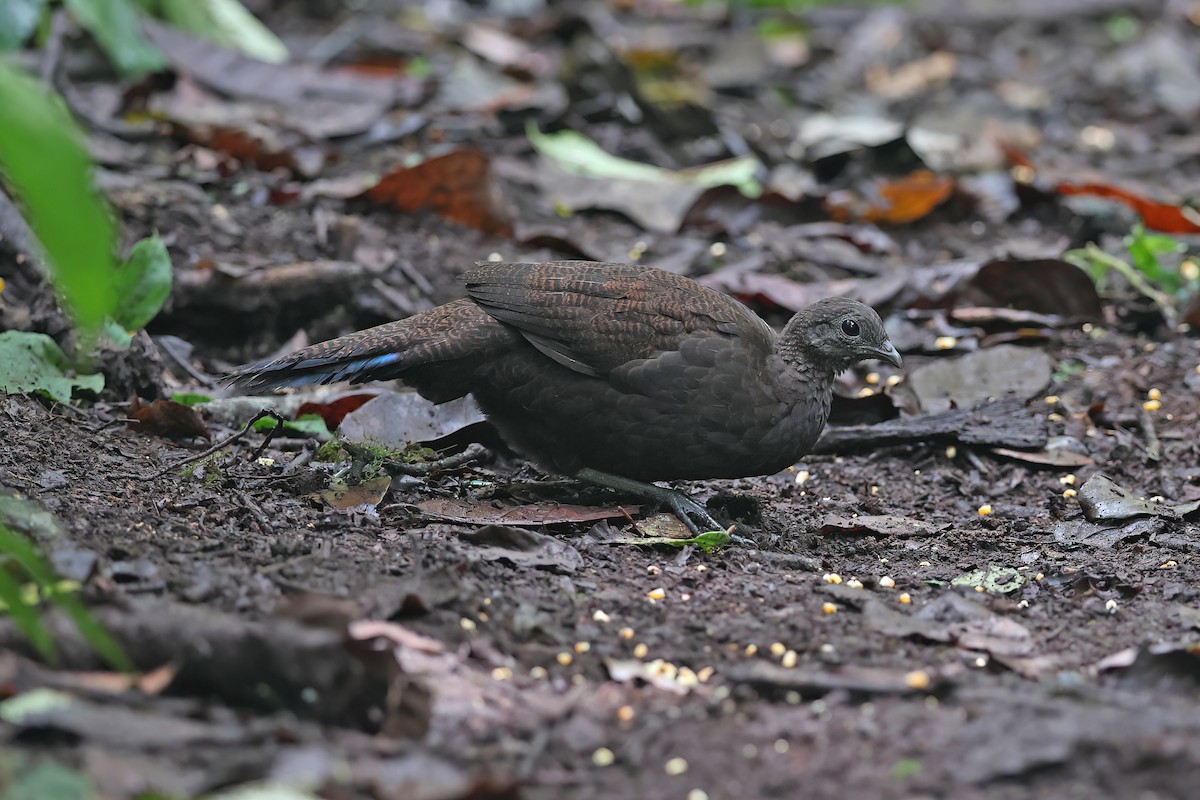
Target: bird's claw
688 511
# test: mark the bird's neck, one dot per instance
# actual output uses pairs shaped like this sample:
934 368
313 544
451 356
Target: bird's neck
797 352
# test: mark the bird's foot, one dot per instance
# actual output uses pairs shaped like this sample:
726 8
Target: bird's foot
693 515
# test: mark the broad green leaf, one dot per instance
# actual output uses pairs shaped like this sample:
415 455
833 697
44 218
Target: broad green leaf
27 706
190 399
43 158
143 283
18 18
33 362
47 780
115 25
226 22
309 425
576 153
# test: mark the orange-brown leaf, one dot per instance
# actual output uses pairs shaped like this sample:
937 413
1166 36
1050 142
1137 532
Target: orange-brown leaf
165 418
457 186
1161 217
899 202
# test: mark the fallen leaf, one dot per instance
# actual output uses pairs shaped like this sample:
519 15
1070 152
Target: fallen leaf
335 410
457 186
366 495
896 202
396 420
522 548
165 418
975 377
899 527
707 541
1158 216
1101 499
534 514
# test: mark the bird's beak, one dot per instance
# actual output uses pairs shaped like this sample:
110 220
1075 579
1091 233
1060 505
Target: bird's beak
889 354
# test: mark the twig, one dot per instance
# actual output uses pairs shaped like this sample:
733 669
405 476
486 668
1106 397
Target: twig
266 412
53 49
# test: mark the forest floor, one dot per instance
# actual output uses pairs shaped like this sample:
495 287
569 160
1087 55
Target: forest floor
927 615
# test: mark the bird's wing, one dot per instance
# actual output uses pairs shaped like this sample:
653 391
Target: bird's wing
594 317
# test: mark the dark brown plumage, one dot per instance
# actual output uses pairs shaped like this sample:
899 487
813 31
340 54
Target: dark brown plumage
613 373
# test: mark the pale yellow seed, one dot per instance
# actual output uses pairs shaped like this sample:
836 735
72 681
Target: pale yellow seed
802 477
905 598
705 673
582 647
980 589
626 713
866 391
832 577
697 794
538 673
1055 417
657 594
654 569
502 674
985 510
789 659
951 452
625 633
854 583
917 679
676 766
751 650
1051 399
1039 577
781 746
640 650
1152 405
467 624
564 658
1154 394
1169 564
717 249
1190 270
600 616
1069 493
603 757
945 343
874 490
685 597
778 649
893 380
872 378
1068 479
483 616
829 608
887 583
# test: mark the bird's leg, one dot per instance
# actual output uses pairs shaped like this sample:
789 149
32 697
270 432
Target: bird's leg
687 509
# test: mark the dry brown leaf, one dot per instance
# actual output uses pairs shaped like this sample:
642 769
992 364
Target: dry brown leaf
457 186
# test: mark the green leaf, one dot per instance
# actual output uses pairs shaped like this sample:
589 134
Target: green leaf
49 781
578 154
995 579
33 362
24 616
707 541
190 399
143 283
1145 249
308 425
226 22
18 18
22 551
115 25
42 155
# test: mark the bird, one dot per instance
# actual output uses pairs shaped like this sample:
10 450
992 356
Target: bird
613 374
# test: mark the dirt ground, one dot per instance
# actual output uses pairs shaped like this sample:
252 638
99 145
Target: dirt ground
917 617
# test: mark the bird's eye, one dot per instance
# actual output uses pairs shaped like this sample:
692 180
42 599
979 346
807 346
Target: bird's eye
850 327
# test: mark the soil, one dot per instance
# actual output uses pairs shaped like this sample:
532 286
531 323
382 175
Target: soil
384 652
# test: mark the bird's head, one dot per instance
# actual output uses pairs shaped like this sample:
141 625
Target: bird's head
835 334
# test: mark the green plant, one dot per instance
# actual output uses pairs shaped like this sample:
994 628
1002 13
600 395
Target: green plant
26 580
116 27
1169 286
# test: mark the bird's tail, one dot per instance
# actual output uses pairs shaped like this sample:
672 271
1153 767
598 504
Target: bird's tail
435 351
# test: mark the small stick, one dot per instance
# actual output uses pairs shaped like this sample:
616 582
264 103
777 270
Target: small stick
266 412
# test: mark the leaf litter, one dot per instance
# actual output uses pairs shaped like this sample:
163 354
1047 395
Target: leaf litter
486 662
